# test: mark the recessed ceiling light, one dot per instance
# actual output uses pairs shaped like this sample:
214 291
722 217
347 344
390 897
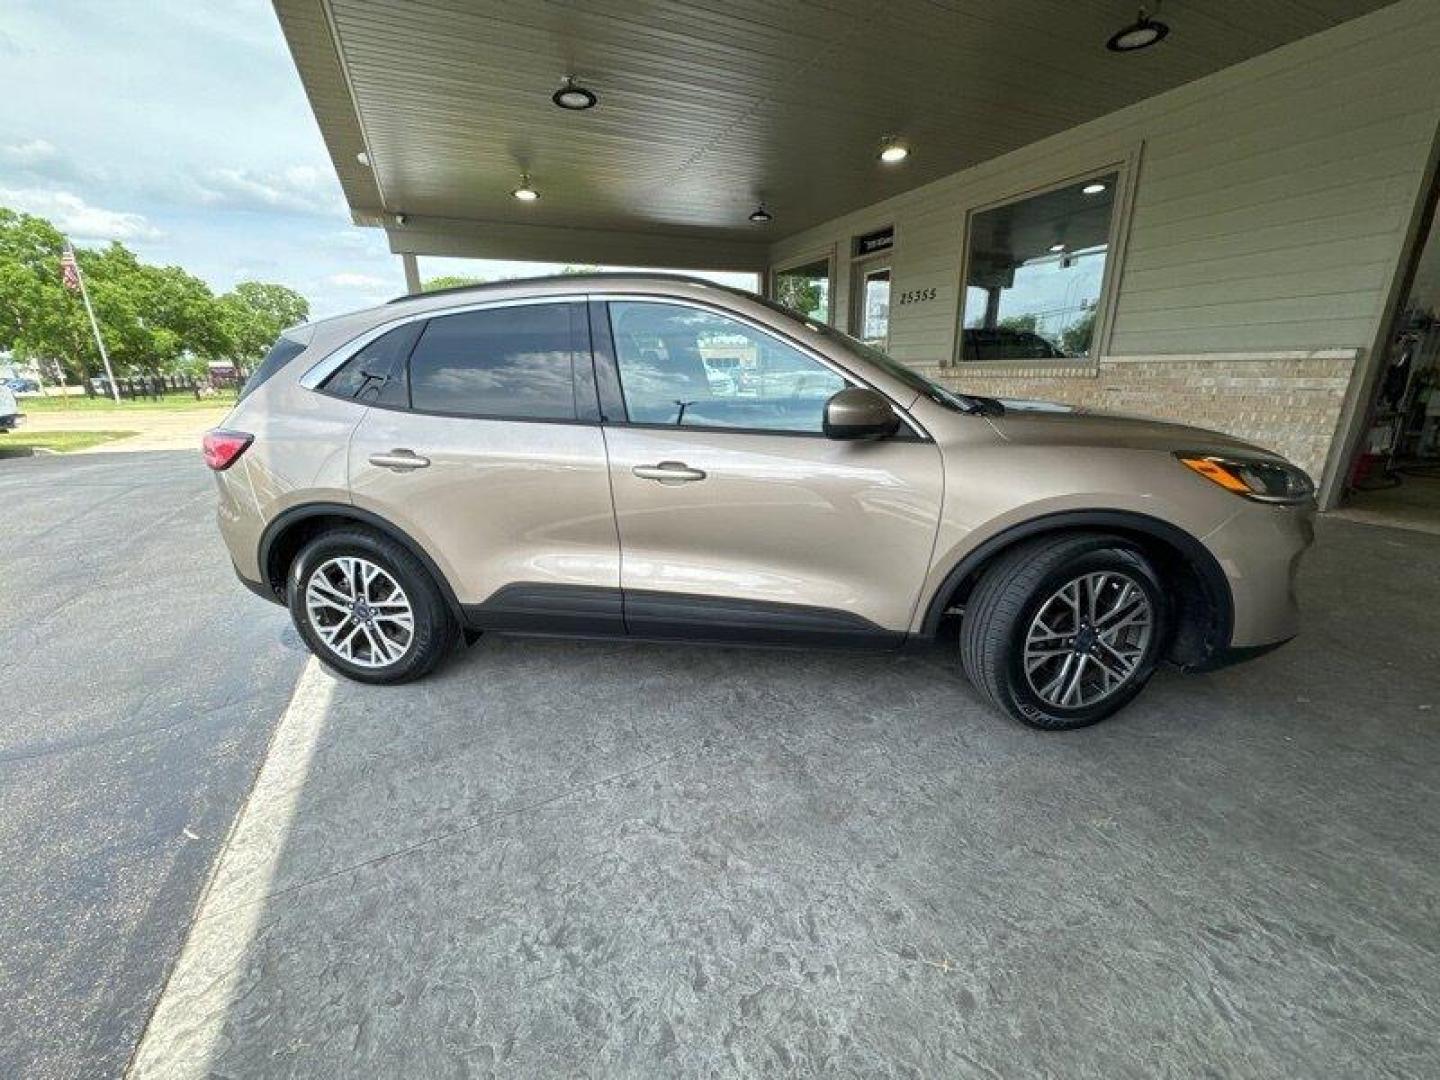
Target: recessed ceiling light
1140 34
572 97
363 158
1092 189
892 152
1057 248
760 215
525 193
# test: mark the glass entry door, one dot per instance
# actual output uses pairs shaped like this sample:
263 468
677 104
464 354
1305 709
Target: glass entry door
870 303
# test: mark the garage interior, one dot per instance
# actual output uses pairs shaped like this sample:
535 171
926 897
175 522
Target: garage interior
628 859
1395 477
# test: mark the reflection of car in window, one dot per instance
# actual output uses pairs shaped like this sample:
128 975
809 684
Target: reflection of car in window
724 375
1006 343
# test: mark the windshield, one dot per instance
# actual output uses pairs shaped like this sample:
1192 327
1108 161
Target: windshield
941 395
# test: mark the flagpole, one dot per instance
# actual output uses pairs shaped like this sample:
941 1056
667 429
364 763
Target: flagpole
95 326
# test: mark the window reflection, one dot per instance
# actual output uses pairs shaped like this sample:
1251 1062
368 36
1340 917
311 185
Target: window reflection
1034 273
806 289
694 368
505 362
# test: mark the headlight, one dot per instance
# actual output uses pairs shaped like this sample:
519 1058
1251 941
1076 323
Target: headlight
1262 479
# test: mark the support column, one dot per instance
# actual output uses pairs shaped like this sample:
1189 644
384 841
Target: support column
412 272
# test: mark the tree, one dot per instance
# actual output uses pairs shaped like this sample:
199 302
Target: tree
1021 322
800 293
154 318
39 318
1075 339
253 314
449 281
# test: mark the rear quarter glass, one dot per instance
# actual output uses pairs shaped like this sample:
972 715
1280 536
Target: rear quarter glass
280 354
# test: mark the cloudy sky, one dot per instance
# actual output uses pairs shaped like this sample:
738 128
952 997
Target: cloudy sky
180 128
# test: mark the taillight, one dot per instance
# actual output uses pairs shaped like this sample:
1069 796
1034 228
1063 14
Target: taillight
223 448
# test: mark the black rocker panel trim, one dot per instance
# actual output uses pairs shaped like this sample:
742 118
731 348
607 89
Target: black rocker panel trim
683 616
582 610
539 608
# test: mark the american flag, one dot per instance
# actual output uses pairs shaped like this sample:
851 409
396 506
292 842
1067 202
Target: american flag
69 270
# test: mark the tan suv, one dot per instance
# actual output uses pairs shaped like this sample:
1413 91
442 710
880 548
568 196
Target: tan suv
660 457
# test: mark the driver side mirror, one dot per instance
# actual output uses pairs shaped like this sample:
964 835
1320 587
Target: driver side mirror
859 413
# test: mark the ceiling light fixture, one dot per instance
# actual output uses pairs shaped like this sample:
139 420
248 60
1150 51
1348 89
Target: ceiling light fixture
363 158
1092 189
572 97
525 193
1057 248
1140 34
761 216
892 151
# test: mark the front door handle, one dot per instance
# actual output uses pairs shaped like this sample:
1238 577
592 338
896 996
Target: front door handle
669 472
399 459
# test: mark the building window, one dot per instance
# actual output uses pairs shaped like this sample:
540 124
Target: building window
805 289
1035 270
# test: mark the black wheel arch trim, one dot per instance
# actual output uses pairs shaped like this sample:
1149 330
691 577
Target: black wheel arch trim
296 514
1196 554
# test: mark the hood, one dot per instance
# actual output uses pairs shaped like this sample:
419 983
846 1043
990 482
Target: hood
1044 423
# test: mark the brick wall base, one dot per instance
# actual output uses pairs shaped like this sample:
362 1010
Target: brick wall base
1288 402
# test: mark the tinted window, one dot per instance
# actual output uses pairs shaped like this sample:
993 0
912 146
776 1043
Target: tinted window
280 354
694 368
514 361
376 374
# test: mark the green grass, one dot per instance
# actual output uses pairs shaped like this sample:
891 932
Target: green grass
183 399
15 444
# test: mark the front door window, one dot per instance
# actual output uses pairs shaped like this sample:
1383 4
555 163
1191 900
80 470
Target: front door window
688 367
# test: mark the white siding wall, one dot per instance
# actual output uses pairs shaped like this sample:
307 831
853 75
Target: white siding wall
1270 204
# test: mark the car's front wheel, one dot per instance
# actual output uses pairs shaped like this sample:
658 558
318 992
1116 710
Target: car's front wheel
368 607
1063 631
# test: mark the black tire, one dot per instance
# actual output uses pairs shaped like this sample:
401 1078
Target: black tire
1005 601
434 625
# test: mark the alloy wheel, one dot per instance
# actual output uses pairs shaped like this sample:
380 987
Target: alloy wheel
1088 639
359 611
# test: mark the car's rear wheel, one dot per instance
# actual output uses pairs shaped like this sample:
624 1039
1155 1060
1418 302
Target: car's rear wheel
368 607
1064 631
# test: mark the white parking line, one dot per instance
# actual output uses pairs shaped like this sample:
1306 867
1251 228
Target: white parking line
189 1019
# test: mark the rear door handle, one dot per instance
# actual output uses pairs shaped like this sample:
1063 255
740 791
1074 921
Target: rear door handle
399 459
669 472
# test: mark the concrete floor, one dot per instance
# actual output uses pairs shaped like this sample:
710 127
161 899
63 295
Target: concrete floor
1413 504
557 859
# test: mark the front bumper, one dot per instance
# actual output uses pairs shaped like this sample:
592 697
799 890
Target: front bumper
1259 549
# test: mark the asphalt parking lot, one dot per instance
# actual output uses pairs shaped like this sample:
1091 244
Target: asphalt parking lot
140 687
632 860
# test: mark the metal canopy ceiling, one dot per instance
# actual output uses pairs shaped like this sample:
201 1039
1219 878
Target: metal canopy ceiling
708 107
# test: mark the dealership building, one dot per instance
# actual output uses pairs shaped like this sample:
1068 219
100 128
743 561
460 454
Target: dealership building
1217 213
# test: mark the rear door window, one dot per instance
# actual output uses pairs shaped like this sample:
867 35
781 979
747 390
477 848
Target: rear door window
504 363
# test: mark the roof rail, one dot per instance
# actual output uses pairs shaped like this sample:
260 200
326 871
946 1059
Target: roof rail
596 275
